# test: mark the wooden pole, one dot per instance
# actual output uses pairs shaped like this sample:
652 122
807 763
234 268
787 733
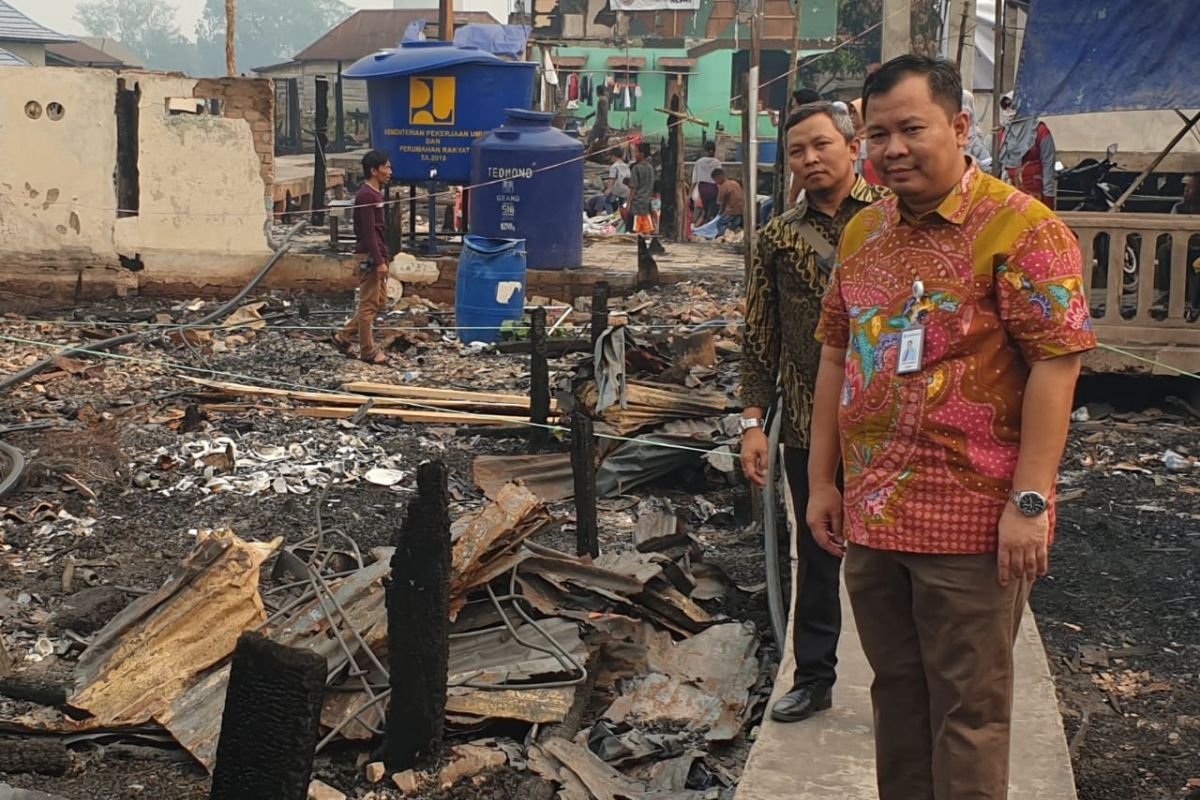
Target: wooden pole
418 613
339 110
897 28
600 295
320 143
997 81
682 194
962 36
230 30
783 175
583 467
750 137
446 20
539 381
271 722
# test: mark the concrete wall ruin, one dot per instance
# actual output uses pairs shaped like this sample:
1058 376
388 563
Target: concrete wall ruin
112 182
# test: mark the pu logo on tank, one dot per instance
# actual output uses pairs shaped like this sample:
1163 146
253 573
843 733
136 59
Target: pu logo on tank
431 101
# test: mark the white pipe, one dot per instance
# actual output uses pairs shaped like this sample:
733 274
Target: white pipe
750 215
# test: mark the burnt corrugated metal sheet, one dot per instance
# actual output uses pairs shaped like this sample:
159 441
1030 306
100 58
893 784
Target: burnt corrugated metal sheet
377 29
16 27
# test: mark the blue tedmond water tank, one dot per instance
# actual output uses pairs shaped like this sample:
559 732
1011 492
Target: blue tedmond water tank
489 287
528 184
429 100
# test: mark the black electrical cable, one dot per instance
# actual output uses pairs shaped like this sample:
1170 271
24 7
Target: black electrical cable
16 466
775 599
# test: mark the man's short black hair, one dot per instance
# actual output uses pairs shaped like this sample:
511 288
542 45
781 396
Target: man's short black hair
945 81
804 95
718 173
373 161
644 149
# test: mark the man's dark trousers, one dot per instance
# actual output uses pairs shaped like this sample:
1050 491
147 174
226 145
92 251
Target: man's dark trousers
817 613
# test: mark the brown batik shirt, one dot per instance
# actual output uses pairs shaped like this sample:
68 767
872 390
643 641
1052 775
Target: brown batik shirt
783 305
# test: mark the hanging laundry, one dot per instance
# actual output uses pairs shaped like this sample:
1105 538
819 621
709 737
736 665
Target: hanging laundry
573 86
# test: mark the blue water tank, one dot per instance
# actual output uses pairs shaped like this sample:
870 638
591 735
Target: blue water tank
489 288
527 180
429 100
768 150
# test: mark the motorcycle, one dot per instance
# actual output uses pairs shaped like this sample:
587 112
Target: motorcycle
1089 179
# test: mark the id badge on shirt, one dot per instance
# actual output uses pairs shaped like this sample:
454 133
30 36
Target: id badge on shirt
912 348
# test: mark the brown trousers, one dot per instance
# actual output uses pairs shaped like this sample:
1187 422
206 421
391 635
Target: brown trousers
938 631
372 294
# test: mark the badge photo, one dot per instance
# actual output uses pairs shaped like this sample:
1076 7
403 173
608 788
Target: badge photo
912 346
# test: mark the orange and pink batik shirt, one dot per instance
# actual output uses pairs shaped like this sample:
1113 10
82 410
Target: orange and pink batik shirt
994 278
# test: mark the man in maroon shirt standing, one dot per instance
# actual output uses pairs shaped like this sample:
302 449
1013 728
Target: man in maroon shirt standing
374 259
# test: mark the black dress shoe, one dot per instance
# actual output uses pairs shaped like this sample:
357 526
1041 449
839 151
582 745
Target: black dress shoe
802 702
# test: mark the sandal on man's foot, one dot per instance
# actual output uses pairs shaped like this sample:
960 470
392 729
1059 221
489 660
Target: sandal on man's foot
344 346
378 358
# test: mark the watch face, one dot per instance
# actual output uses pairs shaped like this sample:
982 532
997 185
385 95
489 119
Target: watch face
1031 503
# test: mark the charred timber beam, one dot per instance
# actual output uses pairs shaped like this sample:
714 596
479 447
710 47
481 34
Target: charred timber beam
418 607
583 466
539 382
271 722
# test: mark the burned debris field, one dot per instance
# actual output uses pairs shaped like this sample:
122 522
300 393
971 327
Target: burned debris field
198 484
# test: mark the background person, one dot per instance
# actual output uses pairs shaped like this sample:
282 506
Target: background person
373 259
702 179
789 274
731 203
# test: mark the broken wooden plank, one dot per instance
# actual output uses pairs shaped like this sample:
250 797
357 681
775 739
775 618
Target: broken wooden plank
541 706
646 404
429 393
333 412
488 535
493 401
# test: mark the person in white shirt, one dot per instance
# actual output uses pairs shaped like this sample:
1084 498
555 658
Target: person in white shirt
702 179
616 190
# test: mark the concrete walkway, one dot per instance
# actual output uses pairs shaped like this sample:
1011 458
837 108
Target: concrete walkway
831 755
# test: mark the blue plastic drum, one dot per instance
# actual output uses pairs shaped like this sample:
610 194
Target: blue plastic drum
490 287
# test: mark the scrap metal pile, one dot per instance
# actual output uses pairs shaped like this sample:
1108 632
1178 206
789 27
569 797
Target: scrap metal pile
533 627
619 675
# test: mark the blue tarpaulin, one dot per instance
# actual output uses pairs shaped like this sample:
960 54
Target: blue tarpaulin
503 40
1081 56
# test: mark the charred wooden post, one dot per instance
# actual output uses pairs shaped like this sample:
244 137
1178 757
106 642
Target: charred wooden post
271 723
34 690
539 381
600 295
583 466
418 606
29 754
320 145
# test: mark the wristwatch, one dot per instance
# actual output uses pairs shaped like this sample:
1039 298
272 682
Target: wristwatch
1031 504
750 422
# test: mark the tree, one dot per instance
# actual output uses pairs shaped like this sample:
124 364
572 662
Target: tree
267 31
147 27
855 18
